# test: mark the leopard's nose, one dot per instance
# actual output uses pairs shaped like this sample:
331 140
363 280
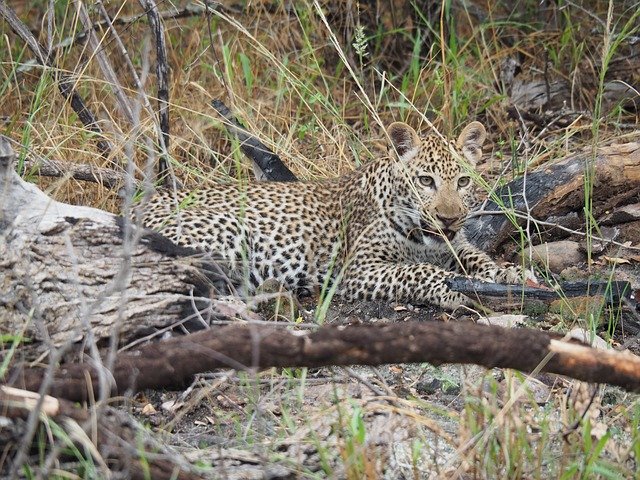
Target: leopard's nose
447 221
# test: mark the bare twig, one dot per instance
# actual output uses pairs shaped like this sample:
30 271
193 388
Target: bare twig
78 171
162 72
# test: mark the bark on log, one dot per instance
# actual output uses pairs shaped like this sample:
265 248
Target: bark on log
173 363
65 269
558 190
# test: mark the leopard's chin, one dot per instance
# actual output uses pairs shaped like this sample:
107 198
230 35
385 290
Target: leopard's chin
449 234
433 233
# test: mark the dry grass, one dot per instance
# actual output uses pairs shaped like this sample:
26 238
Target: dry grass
281 74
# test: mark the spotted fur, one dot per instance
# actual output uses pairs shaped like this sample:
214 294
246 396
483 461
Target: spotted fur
390 230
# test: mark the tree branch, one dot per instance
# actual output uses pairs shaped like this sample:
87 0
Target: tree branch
173 363
270 164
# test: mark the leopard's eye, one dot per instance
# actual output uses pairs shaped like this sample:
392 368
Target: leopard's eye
464 182
426 180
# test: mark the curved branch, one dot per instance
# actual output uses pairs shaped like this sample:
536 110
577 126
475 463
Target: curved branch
173 363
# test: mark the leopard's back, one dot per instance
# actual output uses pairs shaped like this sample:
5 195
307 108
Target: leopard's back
266 230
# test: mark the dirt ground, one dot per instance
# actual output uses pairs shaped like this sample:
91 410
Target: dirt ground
298 422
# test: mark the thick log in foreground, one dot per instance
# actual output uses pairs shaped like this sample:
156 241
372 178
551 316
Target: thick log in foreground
555 193
173 363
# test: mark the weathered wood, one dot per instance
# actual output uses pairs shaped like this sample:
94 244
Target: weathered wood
125 445
65 269
558 190
173 363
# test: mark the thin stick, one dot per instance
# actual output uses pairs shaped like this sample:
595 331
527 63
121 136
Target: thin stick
162 72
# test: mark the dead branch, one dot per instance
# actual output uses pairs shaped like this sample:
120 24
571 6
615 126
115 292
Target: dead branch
65 83
162 72
173 363
269 164
557 190
614 292
78 171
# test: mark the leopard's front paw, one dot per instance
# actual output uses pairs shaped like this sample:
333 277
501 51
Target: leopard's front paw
451 300
515 274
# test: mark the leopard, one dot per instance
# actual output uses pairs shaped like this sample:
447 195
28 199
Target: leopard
390 230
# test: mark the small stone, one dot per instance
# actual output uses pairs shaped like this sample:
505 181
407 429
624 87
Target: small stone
429 387
556 256
589 338
172 406
506 321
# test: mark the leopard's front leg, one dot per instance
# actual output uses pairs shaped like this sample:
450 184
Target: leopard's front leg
418 283
476 263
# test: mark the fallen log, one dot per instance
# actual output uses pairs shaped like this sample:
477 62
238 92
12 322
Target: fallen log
172 363
68 270
557 191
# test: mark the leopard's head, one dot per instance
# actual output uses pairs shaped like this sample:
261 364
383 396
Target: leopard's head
432 190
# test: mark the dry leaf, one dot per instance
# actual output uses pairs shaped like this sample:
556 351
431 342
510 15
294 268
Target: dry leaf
616 260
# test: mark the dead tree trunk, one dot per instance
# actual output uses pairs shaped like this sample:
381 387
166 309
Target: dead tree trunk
555 194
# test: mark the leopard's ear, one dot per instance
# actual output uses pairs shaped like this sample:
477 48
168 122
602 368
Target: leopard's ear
404 139
470 141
